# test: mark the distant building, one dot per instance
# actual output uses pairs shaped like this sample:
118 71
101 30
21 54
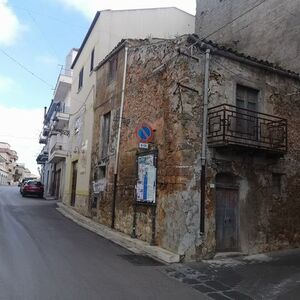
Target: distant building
10 156
268 30
3 171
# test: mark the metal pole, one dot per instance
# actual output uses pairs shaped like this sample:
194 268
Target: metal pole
203 154
118 141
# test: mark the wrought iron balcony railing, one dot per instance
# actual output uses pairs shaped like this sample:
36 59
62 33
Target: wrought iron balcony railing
231 125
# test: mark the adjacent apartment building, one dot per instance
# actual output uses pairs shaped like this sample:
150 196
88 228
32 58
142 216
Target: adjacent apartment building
195 148
55 133
106 30
268 30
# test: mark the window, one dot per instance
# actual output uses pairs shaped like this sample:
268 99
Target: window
80 79
113 65
276 184
246 98
92 60
105 134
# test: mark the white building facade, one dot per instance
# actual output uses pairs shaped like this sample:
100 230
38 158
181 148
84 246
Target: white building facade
55 133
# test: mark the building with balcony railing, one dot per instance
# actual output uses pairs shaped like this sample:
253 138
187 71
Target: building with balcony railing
55 133
228 169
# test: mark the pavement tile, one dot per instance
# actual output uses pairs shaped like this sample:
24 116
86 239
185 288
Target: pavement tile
190 281
203 277
237 295
218 296
178 275
203 288
217 285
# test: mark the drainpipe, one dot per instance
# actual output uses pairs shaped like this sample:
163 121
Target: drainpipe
204 129
118 142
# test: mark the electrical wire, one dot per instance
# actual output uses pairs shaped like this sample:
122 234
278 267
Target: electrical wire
233 20
25 68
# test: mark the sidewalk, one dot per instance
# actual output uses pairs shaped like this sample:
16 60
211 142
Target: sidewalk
269 276
134 245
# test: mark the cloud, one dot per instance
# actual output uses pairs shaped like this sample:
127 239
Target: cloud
47 59
20 128
89 7
9 24
6 83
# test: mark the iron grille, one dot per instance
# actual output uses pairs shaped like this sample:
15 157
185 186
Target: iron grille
231 125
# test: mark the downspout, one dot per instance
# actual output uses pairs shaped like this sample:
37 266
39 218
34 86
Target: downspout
204 129
113 212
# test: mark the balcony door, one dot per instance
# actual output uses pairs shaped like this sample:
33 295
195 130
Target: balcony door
246 117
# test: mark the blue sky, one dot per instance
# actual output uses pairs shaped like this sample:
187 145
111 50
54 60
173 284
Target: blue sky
38 34
48 32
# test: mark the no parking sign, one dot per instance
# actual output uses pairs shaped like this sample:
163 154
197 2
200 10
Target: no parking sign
144 133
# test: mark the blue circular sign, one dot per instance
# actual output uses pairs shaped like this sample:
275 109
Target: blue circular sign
144 133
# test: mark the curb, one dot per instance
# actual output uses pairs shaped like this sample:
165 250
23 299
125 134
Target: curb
133 245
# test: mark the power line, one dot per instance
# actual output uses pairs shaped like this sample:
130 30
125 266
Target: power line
239 16
43 35
50 17
26 69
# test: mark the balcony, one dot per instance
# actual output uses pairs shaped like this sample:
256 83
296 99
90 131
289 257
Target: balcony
61 120
42 158
42 139
46 130
229 125
57 153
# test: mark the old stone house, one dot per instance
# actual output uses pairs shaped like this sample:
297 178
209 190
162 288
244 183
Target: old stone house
223 131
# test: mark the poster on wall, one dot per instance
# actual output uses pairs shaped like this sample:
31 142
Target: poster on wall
146 179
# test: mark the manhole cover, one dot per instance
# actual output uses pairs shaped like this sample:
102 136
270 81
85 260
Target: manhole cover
141 260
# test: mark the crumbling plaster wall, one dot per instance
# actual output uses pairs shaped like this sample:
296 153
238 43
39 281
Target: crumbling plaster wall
150 97
176 119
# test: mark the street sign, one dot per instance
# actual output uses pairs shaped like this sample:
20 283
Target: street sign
143 146
144 133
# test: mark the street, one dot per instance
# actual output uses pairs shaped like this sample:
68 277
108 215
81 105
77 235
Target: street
43 255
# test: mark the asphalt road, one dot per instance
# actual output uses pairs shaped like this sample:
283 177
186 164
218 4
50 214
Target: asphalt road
43 255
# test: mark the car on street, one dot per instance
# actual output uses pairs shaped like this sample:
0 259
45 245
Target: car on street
24 180
32 187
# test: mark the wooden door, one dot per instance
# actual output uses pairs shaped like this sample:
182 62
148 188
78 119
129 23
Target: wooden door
74 181
227 221
57 183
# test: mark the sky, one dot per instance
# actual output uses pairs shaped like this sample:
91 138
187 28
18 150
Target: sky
35 37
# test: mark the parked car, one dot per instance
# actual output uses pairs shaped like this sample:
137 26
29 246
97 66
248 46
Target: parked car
32 187
24 180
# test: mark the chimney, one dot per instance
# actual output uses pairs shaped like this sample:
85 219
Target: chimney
45 111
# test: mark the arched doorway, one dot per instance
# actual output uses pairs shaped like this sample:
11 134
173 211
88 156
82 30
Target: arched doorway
227 213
